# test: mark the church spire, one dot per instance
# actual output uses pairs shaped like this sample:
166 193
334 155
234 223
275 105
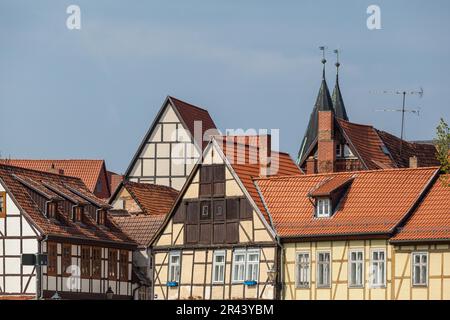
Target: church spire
338 101
323 103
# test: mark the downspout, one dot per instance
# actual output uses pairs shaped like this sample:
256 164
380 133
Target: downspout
39 270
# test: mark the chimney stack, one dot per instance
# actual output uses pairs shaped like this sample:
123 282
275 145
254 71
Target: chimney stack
413 162
311 165
326 144
265 152
55 170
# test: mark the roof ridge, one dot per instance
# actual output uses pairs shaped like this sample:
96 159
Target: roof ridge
25 159
357 124
344 173
41 172
190 104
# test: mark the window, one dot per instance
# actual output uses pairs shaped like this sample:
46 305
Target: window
378 268
78 214
112 264
206 212
98 187
96 263
123 266
252 265
66 259
302 261
85 262
52 264
323 269
101 217
219 267
238 266
245 265
339 148
51 210
323 207
419 268
356 269
347 152
174 267
2 204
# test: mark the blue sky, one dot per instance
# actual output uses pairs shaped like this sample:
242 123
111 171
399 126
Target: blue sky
93 93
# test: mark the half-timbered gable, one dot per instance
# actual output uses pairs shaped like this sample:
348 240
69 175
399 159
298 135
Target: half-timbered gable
139 209
218 242
172 145
335 230
58 217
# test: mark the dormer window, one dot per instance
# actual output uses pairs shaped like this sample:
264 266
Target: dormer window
101 217
77 215
51 210
323 208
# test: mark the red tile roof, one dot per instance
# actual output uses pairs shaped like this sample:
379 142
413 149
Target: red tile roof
381 150
152 199
141 228
330 185
190 114
87 170
375 202
61 185
250 169
431 220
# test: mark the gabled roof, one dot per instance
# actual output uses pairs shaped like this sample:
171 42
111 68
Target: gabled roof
328 186
431 220
374 203
380 150
188 114
87 170
13 179
250 170
155 202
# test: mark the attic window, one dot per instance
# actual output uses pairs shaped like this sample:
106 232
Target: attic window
385 150
101 217
2 204
77 215
51 210
323 208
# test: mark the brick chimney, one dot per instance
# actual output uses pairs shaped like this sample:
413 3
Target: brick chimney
413 162
326 156
265 153
311 165
55 170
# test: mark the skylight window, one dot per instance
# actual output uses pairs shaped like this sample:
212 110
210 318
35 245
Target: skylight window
385 150
323 208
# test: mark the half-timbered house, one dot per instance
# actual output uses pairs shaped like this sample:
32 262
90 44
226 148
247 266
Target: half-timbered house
57 217
172 145
139 209
217 242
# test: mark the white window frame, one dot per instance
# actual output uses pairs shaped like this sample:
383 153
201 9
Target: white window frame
172 266
241 264
219 265
339 150
413 264
375 264
254 264
328 285
355 263
299 265
245 265
323 203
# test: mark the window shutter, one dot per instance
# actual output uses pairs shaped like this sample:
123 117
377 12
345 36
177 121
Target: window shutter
192 233
232 209
205 210
246 209
219 173
192 212
219 233
205 233
232 232
180 214
219 210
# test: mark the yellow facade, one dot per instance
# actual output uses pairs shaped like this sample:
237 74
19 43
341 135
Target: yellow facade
398 284
196 279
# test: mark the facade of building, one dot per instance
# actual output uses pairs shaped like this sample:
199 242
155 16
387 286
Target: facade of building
217 242
172 145
57 216
139 210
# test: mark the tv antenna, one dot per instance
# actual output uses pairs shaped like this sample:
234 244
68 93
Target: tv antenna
403 110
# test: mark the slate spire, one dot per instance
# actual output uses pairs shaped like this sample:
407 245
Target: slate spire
338 101
323 103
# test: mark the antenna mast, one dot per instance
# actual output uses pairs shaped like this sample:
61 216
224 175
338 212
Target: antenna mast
403 110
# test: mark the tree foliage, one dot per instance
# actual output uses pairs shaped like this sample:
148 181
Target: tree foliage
442 143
